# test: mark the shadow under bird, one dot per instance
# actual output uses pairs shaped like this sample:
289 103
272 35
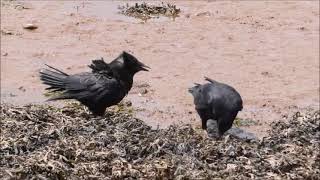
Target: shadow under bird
106 85
217 105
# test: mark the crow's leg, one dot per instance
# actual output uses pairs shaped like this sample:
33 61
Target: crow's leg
204 115
225 122
204 124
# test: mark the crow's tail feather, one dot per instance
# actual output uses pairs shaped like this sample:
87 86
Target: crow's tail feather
54 78
210 80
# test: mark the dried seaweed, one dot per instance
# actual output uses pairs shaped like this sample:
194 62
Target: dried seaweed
44 142
145 11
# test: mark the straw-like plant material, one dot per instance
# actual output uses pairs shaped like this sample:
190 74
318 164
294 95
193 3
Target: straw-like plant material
146 11
44 142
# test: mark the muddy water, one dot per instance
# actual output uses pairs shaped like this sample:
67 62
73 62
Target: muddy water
268 51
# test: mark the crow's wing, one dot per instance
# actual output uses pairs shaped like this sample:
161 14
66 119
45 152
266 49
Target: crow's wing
223 97
90 87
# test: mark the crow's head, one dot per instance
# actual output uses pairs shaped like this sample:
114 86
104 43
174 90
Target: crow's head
195 90
129 63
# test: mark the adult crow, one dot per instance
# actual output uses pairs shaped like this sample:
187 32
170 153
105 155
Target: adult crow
216 101
105 86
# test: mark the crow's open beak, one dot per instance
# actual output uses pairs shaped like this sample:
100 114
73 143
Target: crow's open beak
145 67
190 90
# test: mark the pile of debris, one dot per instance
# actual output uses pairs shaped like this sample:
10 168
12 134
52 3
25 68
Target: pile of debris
45 142
145 11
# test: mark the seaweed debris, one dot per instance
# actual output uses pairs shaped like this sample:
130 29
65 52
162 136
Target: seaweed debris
145 11
44 142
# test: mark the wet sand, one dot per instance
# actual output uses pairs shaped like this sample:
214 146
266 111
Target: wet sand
268 51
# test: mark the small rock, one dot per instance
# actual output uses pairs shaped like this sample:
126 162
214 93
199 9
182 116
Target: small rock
212 128
12 95
241 134
207 13
21 88
23 6
128 103
5 54
30 26
143 91
302 28
6 32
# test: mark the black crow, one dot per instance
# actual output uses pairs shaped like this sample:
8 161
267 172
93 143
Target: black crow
216 101
105 86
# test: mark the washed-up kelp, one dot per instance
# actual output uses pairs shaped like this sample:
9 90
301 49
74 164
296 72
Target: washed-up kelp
44 142
146 11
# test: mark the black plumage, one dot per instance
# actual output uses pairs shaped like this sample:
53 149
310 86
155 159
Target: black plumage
216 101
105 86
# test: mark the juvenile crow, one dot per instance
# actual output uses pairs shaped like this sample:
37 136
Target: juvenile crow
216 101
105 86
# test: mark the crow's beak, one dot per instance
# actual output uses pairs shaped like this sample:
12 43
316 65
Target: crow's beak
145 67
190 90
